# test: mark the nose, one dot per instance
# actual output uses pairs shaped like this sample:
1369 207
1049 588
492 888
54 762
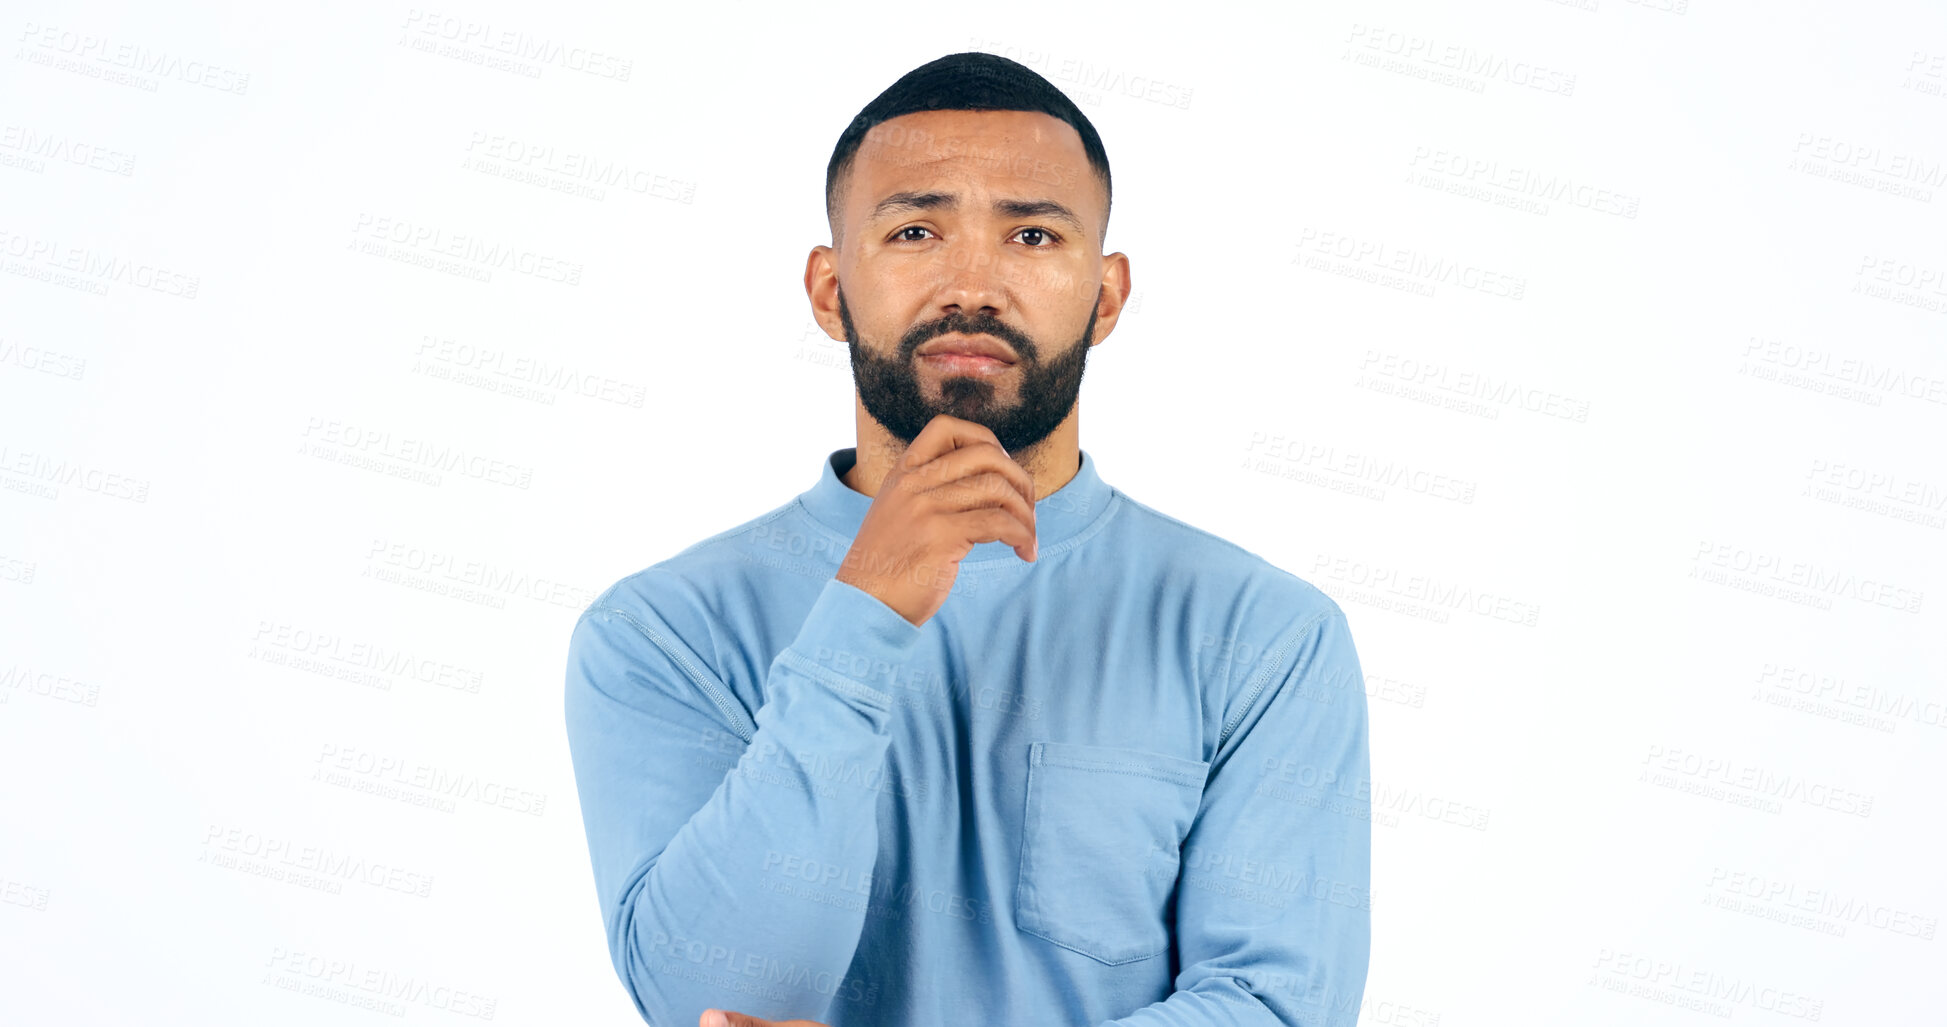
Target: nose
970 278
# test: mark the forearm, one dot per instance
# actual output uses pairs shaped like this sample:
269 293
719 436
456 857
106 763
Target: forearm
1235 1002
1215 1002
714 912
1288 808
715 916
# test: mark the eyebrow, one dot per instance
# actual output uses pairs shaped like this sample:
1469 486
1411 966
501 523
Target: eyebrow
911 201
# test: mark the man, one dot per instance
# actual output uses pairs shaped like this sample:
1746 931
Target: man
962 734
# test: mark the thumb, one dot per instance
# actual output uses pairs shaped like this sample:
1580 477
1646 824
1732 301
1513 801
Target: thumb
726 1018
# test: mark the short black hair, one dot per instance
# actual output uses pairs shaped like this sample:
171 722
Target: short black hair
971 81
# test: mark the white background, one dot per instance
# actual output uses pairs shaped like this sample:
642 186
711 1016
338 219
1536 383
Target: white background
1594 357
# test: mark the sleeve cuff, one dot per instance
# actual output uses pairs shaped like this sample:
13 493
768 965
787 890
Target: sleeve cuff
855 643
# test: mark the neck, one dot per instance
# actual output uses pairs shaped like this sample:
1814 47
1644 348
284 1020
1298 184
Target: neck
1051 463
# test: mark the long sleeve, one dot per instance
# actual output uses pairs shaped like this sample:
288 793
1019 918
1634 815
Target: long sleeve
700 819
1273 908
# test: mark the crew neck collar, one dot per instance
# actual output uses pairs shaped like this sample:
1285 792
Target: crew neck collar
1061 517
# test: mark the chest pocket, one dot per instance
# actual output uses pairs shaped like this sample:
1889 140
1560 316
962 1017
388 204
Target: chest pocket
1101 839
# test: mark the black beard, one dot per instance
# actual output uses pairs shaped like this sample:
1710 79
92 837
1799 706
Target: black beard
890 387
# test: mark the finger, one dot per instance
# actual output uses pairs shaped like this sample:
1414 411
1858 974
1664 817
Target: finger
986 489
966 461
946 433
735 1019
991 524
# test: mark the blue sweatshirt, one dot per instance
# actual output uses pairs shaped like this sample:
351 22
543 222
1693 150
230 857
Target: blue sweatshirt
1125 784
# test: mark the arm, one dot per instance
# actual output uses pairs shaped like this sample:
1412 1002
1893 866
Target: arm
1273 906
690 856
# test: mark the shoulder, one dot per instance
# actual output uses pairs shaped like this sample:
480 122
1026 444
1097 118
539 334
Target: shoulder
699 625
683 589
1270 598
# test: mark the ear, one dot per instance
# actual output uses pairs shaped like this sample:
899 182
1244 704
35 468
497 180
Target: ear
1115 288
821 287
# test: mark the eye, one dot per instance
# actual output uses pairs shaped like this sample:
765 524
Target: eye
900 236
1043 233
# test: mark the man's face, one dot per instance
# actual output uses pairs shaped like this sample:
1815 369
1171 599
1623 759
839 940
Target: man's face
970 225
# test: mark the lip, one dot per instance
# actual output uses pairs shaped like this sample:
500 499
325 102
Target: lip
968 346
965 363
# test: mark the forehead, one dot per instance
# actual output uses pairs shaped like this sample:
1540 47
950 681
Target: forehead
998 152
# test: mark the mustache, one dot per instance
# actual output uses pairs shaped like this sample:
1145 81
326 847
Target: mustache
968 324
